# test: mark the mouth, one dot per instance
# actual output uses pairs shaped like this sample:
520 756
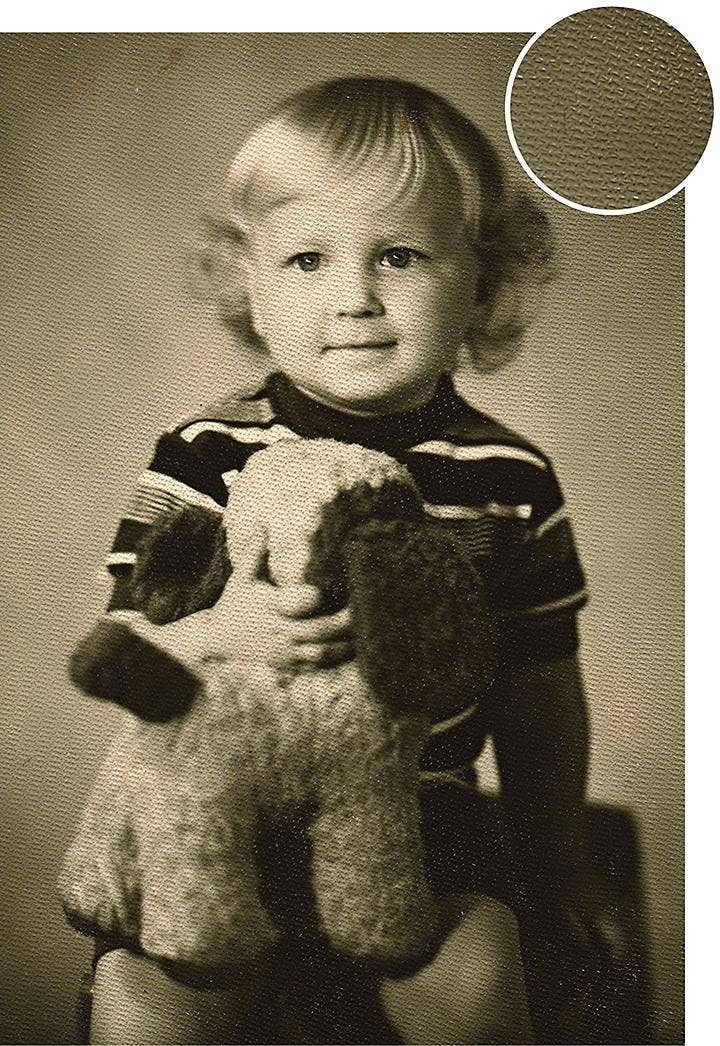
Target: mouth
360 345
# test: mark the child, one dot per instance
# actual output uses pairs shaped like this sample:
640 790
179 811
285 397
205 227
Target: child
371 240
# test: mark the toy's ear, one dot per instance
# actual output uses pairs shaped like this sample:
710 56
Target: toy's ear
182 565
424 636
345 515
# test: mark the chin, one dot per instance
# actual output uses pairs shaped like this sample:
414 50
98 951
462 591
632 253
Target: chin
392 403
368 391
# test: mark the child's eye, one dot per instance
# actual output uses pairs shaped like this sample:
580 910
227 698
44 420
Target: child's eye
400 257
308 261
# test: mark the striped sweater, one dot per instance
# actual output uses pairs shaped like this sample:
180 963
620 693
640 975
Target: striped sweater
491 487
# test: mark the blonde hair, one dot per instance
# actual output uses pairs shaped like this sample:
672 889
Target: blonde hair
342 127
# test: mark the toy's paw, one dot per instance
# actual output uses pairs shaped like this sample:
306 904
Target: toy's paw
115 664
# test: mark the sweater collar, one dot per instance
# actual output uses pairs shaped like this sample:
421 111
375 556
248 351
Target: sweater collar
314 420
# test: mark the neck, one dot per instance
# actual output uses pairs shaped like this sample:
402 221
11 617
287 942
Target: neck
412 402
311 418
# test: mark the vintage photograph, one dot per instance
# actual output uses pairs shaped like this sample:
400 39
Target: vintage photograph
344 651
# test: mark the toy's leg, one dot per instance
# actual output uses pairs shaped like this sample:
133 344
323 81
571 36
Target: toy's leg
201 901
372 895
165 856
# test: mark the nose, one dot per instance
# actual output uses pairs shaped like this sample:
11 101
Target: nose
356 295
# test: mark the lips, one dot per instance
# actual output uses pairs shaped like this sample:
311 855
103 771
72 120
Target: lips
361 345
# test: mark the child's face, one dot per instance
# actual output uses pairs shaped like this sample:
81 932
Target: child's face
362 303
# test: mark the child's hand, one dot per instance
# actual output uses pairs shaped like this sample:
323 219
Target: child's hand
256 621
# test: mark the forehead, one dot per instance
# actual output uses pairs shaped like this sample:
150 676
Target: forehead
366 205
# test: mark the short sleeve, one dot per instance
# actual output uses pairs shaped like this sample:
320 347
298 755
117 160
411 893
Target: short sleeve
536 583
176 477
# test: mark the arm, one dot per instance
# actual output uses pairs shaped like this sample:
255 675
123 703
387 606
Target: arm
539 725
571 934
251 621
217 610
541 736
146 652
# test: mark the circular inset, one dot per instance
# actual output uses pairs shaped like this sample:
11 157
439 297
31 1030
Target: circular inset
609 110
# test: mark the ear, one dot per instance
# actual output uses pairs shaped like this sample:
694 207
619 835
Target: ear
424 635
182 565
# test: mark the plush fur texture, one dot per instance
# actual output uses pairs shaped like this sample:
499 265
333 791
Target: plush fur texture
166 856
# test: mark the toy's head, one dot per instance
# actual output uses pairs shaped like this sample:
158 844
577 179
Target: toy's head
349 521
300 501
305 499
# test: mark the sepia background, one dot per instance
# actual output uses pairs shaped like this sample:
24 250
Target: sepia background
112 146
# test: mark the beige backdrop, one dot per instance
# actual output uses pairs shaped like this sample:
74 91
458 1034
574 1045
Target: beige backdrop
113 145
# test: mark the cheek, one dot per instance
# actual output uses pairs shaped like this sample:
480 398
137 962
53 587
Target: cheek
439 306
455 305
277 306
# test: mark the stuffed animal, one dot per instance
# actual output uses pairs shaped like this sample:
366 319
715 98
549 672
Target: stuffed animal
166 858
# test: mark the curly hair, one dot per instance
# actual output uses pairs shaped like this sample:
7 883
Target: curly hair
343 126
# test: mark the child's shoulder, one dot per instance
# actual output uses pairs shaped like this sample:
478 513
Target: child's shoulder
493 439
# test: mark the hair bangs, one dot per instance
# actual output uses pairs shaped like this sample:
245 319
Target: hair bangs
314 141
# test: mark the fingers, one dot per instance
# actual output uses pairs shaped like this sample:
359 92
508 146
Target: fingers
322 629
325 654
248 550
297 600
315 655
